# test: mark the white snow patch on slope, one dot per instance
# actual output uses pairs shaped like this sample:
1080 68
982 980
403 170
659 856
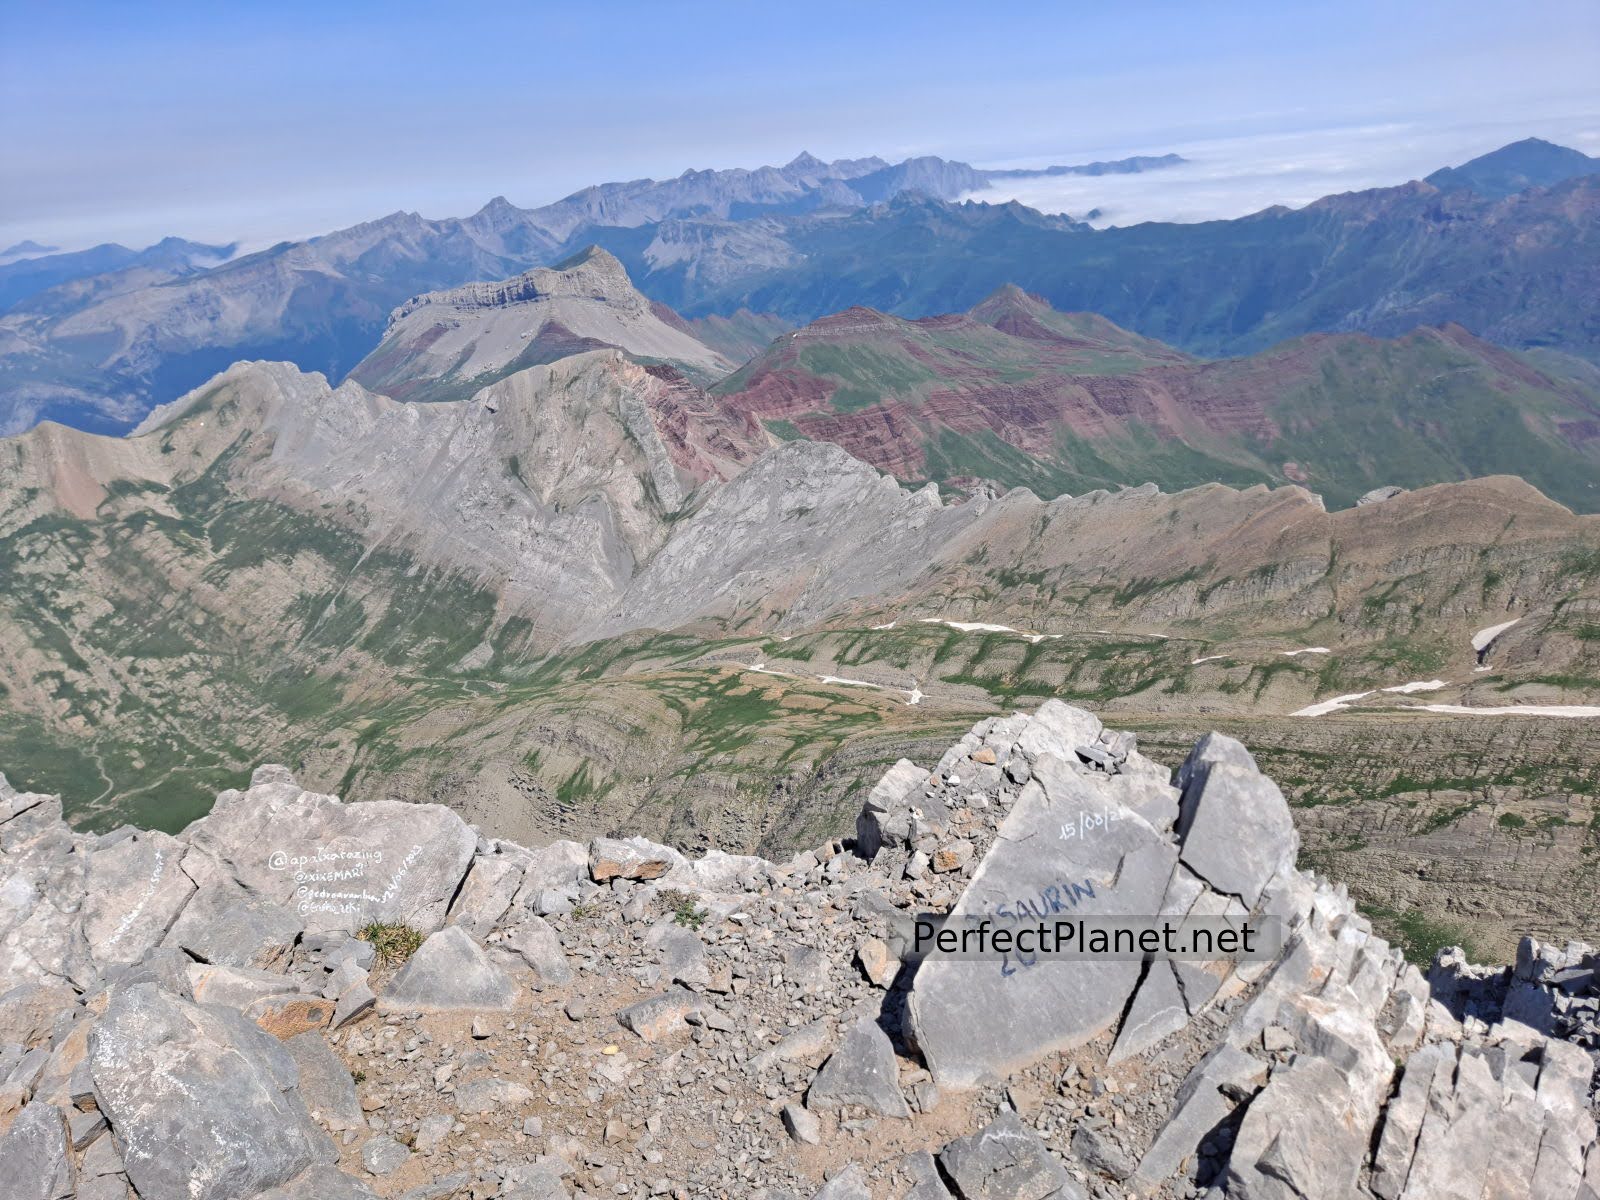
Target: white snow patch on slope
1515 710
850 682
1482 639
1422 685
1324 707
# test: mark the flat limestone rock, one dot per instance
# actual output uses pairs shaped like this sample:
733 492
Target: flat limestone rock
204 1104
863 1071
1065 850
133 892
848 1184
1059 729
630 858
224 924
449 972
337 866
536 943
1306 1135
557 867
491 885
1005 1160
659 1016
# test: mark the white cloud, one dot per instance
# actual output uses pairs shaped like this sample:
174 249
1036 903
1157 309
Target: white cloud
1229 177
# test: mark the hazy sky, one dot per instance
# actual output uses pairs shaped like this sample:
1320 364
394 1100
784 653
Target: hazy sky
262 121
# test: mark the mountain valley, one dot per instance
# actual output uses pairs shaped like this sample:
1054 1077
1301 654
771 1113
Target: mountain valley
593 596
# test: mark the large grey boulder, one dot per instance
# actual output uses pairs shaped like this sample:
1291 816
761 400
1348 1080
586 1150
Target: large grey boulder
449 972
1235 826
977 1019
204 1104
134 890
1005 1160
862 1071
34 1163
336 866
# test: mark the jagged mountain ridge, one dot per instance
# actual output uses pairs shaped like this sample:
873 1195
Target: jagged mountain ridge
371 580
446 345
244 976
1014 393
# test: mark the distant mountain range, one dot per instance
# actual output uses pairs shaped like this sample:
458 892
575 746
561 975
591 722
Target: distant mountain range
795 243
28 268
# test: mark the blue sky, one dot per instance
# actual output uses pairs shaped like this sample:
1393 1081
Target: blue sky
262 121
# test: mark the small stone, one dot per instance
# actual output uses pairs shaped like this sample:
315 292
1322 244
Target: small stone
952 857
383 1155
802 1125
659 1016
877 963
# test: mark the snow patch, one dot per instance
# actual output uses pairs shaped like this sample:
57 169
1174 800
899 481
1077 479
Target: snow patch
1485 637
1514 710
1195 662
1324 707
1307 650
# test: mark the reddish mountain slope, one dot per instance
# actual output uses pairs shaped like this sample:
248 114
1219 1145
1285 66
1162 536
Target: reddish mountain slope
1015 393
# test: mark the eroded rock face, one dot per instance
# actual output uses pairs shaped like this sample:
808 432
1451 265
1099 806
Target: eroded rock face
616 1015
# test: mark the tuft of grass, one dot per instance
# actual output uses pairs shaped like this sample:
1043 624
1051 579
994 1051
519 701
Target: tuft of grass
683 907
393 944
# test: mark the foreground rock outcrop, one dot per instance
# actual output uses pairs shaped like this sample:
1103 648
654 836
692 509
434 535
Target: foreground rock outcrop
298 998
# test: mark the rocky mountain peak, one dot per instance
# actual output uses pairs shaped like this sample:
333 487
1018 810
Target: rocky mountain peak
375 1000
447 344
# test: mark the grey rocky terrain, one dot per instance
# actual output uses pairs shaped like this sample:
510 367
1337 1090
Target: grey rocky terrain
232 1012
